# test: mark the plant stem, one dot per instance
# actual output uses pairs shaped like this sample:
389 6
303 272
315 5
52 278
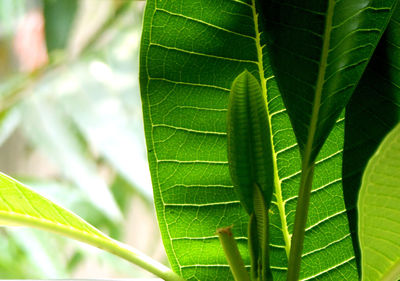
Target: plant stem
144 262
232 254
97 240
300 221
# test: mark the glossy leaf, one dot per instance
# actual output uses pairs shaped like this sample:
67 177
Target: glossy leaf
190 55
378 206
372 112
249 147
20 206
319 50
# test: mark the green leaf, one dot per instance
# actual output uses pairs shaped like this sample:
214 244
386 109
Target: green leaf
20 206
261 213
372 112
317 74
249 142
378 206
190 55
75 200
59 17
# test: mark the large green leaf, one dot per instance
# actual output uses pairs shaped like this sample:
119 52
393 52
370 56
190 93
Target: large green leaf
318 73
373 110
319 50
20 206
379 209
190 54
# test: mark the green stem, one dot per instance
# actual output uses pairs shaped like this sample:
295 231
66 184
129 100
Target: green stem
309 154
232 254
144 262
97 240
300 221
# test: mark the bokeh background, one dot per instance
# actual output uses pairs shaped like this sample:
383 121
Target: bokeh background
71 128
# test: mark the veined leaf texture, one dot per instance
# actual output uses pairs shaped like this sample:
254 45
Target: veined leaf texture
334 40
190 54
372 112
249 153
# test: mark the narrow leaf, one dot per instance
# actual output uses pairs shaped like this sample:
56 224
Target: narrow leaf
249 142
379 209
20 206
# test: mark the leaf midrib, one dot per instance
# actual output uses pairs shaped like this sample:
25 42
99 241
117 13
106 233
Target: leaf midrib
277 183
307 161
393 274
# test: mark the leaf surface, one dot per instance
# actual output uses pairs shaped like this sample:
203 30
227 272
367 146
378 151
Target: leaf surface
20 206
318 73
378 205
249 153
373 111
190 55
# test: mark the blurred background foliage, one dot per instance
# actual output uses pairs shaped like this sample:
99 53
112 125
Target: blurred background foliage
71 128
